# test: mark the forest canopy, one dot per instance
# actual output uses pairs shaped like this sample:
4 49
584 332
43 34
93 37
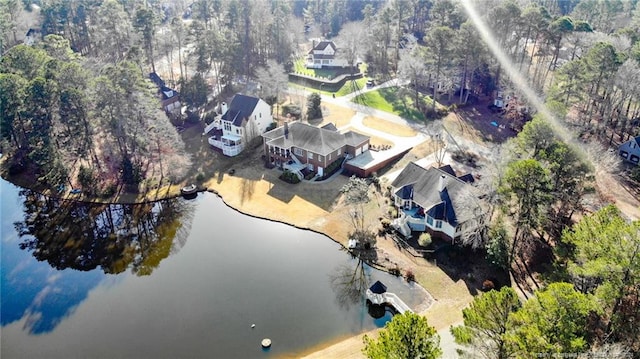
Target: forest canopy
69 121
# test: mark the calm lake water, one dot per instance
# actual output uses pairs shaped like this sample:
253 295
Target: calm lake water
175 279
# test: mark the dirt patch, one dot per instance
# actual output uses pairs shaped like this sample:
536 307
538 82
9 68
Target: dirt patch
479 124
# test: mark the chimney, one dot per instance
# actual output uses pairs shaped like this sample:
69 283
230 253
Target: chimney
223 108
442 183
286 130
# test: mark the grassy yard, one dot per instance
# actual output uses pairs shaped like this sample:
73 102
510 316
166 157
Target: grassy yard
387 100
346 89
324 73
388 127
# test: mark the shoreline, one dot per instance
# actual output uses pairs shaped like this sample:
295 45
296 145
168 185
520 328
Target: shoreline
260 196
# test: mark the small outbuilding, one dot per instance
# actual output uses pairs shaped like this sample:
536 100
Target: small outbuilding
378 288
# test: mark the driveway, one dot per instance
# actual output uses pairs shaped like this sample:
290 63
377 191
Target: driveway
399 143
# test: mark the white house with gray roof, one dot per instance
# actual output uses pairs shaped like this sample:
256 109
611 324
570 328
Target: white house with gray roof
298 145
630 150
243 120
435 200
324 54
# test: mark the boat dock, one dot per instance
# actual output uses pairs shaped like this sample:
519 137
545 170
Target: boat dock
378 294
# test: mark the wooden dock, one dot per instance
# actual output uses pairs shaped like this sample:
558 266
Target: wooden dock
388 298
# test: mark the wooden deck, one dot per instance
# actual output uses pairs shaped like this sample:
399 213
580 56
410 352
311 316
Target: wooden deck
388 299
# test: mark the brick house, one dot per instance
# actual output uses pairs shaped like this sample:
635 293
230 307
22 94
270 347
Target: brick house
296 146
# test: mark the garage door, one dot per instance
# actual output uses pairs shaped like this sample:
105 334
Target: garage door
358 151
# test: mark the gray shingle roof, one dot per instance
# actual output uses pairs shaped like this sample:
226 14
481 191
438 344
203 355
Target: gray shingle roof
355 139
317 140
425 183
323 45
330 126
241 107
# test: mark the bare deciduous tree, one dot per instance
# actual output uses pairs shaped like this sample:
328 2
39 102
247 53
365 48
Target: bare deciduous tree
356 193
473 230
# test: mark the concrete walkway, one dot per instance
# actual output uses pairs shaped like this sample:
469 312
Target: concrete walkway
352 347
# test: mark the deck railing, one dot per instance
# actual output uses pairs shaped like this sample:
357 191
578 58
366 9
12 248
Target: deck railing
388 298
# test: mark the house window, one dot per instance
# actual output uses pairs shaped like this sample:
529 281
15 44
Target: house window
310 155
624 154
260 114
320 158
297 151
329 157
237 131
634 158
429 221
438 224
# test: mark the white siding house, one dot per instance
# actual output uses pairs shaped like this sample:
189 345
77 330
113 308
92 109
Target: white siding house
630 150
325 54
431 200
243 120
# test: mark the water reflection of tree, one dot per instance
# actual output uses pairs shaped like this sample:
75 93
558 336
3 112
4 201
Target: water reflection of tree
350 283
114 237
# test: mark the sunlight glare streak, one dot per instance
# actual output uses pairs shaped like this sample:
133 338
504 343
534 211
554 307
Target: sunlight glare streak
515 76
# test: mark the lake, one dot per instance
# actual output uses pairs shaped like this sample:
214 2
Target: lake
174 279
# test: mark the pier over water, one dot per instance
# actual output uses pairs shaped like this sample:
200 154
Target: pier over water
377 294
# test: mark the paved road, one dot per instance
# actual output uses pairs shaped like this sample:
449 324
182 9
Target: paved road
448 344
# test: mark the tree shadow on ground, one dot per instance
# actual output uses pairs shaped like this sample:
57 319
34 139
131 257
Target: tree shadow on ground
536 260
403 107
463 263
490 126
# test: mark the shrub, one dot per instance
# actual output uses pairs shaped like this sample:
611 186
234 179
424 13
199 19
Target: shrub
86 177
109 191
313 106
332 169
395 271
200 177
410 276
271 126
487 285
289 177
425 239
365 237
131 172
292 110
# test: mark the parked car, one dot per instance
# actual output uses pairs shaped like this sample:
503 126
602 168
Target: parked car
370 83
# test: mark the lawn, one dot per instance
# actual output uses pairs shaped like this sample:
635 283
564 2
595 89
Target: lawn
388 127
346 89
324 73
351 86
387 100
